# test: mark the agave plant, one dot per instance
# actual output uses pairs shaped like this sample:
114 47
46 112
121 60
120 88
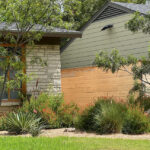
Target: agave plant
23 122
2 126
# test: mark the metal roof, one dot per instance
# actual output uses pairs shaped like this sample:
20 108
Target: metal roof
48 31
142 8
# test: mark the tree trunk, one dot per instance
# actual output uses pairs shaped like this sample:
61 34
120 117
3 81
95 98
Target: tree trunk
4 83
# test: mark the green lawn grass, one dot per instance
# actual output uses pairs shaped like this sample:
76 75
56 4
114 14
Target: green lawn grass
66 143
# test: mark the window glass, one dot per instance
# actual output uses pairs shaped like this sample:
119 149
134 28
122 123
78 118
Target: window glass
1 70
14 94
5 94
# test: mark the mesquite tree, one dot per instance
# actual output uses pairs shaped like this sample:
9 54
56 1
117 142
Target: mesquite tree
139 68
30 19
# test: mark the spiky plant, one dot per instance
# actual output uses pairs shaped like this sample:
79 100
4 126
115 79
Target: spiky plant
23 122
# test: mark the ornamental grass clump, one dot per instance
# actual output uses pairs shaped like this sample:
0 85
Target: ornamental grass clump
110 118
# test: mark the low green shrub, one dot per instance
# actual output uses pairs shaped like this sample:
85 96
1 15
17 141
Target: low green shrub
22 122
135 122
85 120
105 116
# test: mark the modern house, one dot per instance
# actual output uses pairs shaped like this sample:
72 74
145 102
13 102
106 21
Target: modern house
81 81
48 48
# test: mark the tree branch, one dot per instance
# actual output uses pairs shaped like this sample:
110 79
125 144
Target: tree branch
4 83
126 70
132 74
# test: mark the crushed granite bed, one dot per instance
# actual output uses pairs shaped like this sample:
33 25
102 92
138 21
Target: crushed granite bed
71 132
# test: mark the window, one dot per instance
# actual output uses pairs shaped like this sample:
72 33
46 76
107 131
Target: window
5 95
11 94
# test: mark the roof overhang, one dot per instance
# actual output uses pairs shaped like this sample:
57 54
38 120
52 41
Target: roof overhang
47 31
76 34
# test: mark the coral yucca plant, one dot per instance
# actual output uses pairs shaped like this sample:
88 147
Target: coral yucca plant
51 117
68 114
135 122
142 102
52 110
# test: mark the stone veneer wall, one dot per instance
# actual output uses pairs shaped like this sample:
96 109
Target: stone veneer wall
49 77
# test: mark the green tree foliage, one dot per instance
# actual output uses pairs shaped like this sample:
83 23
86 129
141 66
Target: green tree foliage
80 11
72 11
139 23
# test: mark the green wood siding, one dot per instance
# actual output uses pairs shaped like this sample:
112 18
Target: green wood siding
82 52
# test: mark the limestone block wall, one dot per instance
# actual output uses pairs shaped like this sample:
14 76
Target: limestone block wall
49 76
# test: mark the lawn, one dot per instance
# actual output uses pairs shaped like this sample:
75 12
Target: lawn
66 143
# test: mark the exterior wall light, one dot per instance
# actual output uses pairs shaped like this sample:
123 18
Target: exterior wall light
107 27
